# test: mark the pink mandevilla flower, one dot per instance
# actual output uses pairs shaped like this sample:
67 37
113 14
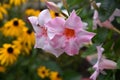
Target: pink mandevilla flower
69 35
42 40
102 64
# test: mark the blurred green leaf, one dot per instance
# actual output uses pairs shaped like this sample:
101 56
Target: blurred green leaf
106 9
101 35
89 51
118 63
108 76
71 75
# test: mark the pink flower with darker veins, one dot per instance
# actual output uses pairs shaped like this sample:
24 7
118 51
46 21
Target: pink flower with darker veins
42 39
69 35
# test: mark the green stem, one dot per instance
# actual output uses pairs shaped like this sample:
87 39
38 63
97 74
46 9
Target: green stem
116 30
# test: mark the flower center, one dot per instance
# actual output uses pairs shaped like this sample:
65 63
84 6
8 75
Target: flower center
56 14
44 31
29 31
58 75
15 23
10 50
43 72
69 32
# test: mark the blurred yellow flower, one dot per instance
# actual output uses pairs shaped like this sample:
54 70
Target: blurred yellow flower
13 27
22 46
2 11
43 72
8 54
7 6
54 14
32 12
55 76
17 2
2 69
18 43
28 39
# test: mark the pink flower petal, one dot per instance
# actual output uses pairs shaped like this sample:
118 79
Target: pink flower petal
55 26
40 41
55 51
84 36
115 13
71 47
74 21
107 64
99 52
34 22
44 17
58 41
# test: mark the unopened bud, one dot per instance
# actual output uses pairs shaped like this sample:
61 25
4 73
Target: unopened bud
52 6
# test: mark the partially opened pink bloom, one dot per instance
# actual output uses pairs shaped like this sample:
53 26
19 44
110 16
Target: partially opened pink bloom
42 40
107 23
70 34
102 64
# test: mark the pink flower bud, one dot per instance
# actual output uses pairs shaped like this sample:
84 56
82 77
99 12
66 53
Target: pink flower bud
107 24
107 64
52 6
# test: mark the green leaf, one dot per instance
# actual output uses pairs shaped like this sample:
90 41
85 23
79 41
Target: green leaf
100 36
71 75
108 76
106 9
90 50
118 64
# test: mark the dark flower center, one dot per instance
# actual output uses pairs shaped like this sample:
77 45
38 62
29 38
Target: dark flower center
10 50
29 31
43 72
56 14
58 76
15 23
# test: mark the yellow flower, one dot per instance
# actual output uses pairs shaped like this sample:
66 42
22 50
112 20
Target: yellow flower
8 54
2 69
54 14
27 39
17 2
2 11
32 12
13 27
7 6
43 72
22 46
55 76
18 43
